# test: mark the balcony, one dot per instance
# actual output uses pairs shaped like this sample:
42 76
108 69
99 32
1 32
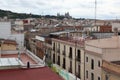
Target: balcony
70 56
70 70
58 50
63 66
78 74
53 49
64 53
78 59
58 62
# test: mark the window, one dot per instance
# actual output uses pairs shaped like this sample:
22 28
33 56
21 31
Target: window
98 78
87 74
53 58
79 75
64 50
58 60
86 59
64 47
92 64
59 46
92 76
98 63
53 46
78 55
106 77
70 53
70 69
64 66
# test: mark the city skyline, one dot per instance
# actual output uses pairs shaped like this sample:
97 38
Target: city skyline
106 9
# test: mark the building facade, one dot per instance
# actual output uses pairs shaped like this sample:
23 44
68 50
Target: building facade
69 55
98 50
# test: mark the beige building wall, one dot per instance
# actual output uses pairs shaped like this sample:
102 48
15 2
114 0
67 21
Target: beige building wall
59 49
88 63
103 49
108 54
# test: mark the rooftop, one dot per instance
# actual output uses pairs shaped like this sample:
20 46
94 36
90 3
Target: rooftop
14 66
23 57
72 40
43 73
111 67
105 43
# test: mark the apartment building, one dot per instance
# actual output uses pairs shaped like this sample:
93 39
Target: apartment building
98 50
68 53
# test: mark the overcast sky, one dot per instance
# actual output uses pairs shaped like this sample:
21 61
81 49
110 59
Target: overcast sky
106 9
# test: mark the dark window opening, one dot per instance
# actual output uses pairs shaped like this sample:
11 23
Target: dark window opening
98 63
78 74
53 58
86 59
70 53
98 78
87 74
70 69
64 62
58 60
79 55
92 76
92 64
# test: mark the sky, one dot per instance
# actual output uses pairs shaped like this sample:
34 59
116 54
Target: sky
106 9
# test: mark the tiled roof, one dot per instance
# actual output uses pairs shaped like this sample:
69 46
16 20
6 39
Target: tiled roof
43 73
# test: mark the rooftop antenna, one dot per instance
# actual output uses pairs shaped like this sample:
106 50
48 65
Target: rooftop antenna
95 10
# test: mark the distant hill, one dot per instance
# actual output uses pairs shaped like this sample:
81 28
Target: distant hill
13 15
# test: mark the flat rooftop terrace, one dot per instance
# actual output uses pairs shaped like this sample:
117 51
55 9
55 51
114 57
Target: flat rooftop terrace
23 57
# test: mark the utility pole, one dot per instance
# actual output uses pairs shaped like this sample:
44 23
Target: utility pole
95 11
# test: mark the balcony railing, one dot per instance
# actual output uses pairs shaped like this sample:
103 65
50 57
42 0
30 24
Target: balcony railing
78 59
53 49
70 70
64 53
78 74
58 50
58 62
70 56
63 66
